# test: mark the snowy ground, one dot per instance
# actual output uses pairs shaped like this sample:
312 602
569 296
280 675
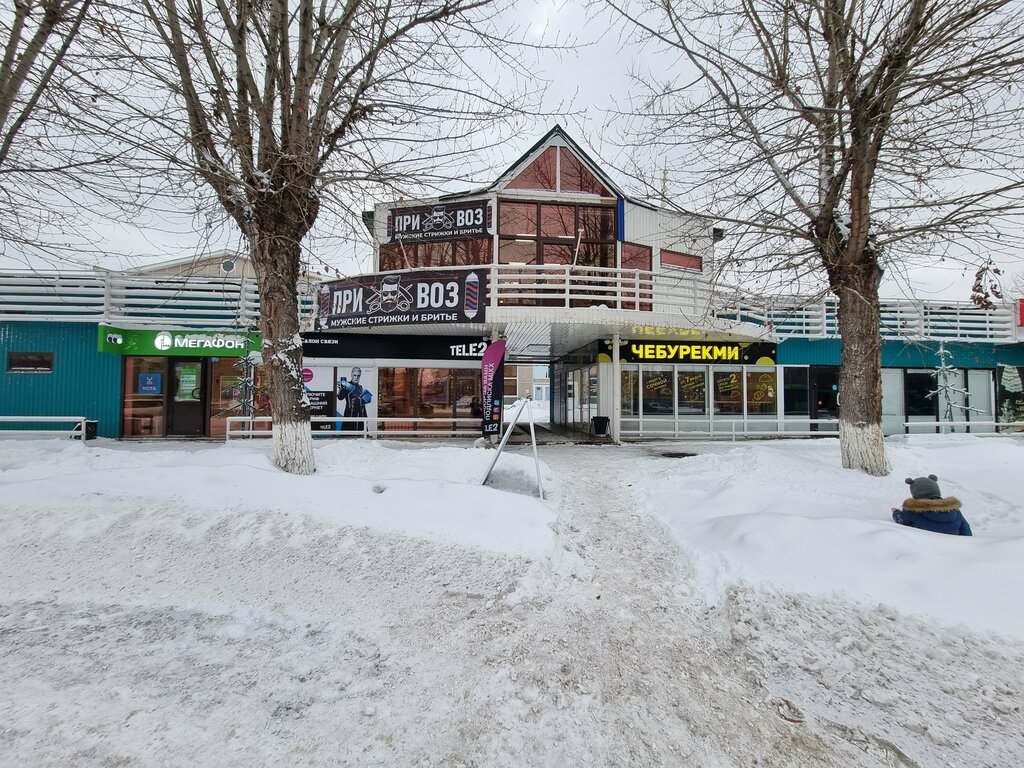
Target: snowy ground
186 604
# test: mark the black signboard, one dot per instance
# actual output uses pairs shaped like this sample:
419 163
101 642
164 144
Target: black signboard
409 298
712 352
444 221
355 346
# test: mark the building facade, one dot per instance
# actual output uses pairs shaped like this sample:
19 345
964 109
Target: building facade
601 305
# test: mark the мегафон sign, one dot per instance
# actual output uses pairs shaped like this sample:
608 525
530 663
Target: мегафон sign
402 299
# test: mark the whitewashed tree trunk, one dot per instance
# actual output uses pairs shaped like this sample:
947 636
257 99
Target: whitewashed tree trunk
863 447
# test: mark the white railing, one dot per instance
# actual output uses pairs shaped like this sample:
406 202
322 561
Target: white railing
951 321
233 302
138 300
78 431
379 427
557 285
964 427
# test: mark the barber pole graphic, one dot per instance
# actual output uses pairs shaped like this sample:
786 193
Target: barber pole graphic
472 302
492 379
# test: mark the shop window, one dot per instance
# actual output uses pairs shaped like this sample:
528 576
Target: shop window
433 390
558 221
576 177
145 396
636 257
794 382
684 260
542 173
691 391
630 399
728 392
394 392
657 391
1010 395
762 387
30 362
918 388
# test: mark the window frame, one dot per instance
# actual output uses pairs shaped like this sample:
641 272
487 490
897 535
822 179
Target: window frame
44 366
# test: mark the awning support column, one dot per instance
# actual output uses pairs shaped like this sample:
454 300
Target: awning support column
616 390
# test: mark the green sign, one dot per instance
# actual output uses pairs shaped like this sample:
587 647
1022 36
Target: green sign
138 341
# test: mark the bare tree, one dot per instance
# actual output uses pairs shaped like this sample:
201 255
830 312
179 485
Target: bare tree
48 167
281 108
840 138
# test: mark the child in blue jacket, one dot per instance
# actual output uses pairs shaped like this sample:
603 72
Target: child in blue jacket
926 509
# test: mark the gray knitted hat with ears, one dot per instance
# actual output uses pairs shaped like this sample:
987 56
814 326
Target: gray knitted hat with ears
924 487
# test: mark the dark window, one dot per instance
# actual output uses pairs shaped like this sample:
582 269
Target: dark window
917 387
794 382
394 256
685 260
30 362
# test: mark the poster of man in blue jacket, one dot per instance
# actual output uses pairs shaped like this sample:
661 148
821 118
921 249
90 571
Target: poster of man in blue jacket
353 400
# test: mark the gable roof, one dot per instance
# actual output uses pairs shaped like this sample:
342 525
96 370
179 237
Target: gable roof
556 137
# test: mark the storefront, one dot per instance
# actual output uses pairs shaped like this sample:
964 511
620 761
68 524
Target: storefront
185 383
358 382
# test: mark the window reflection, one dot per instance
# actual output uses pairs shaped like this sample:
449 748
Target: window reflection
145 396
540 174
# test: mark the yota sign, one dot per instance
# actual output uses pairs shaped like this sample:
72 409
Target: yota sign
176 343
408 298
446 221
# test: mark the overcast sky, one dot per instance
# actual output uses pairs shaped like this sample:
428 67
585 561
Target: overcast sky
585 85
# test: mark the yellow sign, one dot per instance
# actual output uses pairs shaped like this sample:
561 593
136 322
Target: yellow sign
686 352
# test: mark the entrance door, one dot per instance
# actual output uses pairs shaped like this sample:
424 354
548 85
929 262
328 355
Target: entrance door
467 396
824 397
186 415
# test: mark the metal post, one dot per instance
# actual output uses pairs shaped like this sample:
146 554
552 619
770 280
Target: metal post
616 391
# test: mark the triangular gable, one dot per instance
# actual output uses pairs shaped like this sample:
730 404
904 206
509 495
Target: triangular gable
556 163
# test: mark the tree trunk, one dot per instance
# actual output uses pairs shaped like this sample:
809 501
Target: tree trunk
860 376
276 258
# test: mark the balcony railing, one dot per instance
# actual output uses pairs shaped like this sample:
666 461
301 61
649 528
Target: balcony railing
233 302
137 300
912 320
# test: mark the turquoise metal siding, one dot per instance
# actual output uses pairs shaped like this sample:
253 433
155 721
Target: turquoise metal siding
904 354
84 381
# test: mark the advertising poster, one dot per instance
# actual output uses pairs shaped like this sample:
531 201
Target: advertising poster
356 402
492 378
444 221
410 298
318 384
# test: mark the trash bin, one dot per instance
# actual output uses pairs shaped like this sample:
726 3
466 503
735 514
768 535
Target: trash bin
90 430
599 426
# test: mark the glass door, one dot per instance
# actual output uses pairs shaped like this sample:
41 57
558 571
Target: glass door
186 415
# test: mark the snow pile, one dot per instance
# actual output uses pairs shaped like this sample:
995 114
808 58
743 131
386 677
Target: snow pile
433 493
785 513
